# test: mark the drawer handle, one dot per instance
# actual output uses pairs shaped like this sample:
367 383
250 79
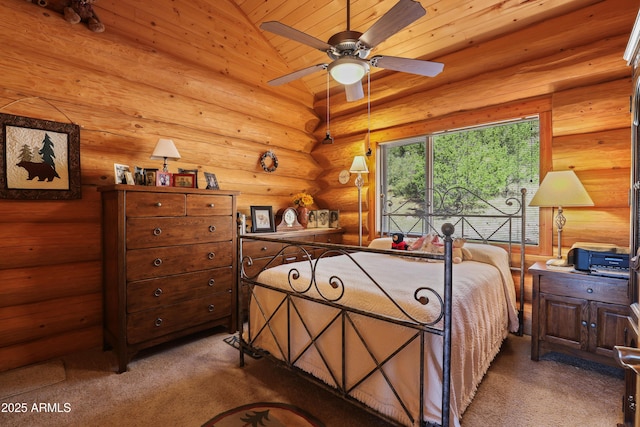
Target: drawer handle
157 262
211 255
263 249
157 292
212 281
589 290
158 204
212 205
212 228
158 322
211 307
229 291
593 325
584 323
157 231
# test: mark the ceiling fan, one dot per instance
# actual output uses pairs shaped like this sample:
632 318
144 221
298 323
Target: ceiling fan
349 49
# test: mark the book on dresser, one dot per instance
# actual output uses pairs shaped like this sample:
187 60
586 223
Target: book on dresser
170 265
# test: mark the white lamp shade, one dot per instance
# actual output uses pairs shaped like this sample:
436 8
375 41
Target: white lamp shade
347 70
359 165
165 149
561 188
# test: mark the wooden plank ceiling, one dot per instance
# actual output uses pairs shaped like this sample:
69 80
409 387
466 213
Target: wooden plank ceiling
448 26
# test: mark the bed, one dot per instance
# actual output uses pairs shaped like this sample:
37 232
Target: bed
407 335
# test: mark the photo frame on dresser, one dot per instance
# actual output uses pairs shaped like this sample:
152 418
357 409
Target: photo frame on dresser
212 181
191 171
262 219
163 179
185 180
39 159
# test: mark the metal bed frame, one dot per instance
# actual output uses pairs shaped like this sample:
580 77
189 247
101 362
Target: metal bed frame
422 295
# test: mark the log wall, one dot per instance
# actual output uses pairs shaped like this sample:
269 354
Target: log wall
195 72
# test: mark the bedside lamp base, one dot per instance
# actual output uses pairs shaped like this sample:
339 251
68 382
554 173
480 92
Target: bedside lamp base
559 264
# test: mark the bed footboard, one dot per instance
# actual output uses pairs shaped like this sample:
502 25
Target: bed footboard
309 324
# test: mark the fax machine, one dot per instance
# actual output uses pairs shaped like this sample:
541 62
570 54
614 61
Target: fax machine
600 259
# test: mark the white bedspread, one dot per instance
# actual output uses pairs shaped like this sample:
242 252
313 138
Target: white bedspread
483 307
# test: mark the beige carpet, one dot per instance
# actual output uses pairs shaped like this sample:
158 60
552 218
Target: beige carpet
190 383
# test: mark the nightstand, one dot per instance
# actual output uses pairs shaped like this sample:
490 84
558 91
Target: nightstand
578 314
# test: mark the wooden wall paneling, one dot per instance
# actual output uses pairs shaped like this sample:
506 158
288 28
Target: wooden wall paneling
30 322
608 225
604 106
542 39
522 81
50 347
576 151
608 188
30 285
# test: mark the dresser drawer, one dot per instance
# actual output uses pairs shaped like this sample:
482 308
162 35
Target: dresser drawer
335 238
204 204
146 325
163 231
587 287
165 261
257 249
155 204
150 293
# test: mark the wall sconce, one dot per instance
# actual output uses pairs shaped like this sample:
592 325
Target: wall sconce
165 149
560 188
359 166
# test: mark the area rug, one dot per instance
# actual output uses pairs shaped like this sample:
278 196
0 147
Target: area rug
264 414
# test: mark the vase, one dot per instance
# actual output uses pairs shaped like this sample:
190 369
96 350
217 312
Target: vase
303 215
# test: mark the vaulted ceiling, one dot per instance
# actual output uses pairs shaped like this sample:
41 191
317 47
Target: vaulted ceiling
448 26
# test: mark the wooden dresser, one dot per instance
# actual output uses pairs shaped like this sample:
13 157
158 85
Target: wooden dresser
579 314
169 264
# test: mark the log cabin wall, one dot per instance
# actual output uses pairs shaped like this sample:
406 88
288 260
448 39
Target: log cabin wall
195 72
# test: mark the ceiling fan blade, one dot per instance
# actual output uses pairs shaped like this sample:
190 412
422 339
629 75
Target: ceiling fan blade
354 91
297 74
399 16
293 34
406 65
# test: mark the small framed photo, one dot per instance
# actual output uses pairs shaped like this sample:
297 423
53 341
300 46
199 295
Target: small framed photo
186 180
120 172
262 219
139 176
150 176
163 179
191 171
129 178
323 218
334 219
313 219
212 182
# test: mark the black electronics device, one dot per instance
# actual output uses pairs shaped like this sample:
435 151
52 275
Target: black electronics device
603 263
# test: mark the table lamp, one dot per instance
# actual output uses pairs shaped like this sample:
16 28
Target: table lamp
558 189
165 149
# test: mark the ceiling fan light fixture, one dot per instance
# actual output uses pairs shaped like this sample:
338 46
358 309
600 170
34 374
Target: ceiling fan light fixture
347 70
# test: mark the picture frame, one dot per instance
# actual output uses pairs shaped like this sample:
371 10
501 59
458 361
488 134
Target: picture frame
150 176
323 218
184 180
334 219
191 171
129 178
120 173
312 219
262 219
139 176
39 159
212 182
163 179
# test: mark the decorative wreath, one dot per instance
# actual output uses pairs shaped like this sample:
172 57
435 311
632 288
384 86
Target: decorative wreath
274 161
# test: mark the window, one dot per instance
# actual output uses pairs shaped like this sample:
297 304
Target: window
492 162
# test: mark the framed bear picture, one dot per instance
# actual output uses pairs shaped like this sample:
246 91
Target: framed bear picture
40 159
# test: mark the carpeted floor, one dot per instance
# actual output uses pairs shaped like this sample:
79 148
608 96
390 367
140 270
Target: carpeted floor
190 383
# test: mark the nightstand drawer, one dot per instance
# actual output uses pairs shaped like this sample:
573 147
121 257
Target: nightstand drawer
588 287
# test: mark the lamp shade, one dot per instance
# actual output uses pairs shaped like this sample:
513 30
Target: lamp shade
165 149
561 188
359 165
348 70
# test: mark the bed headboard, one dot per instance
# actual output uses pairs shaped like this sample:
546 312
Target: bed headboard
496 221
